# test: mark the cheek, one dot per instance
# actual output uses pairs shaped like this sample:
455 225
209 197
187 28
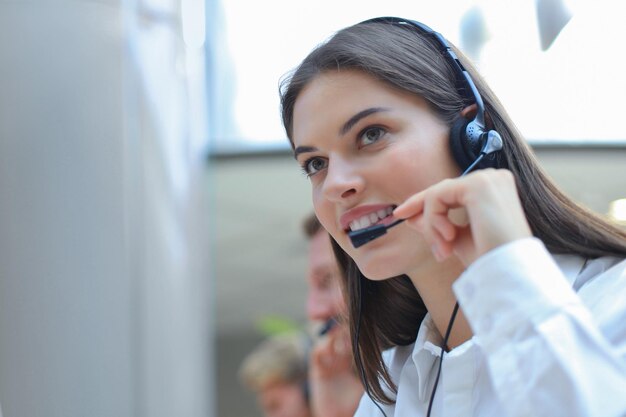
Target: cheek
407 178
421 168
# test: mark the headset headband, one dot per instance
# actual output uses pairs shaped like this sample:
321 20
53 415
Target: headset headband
447 51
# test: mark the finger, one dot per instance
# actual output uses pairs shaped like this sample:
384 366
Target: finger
438 231
413 206
442 217
450 194
464 248
458 216
444 227
442 250
437 223
416 222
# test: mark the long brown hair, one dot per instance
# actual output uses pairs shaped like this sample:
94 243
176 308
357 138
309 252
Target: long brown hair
390 311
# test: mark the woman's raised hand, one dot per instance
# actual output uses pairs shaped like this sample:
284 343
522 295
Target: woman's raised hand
467 216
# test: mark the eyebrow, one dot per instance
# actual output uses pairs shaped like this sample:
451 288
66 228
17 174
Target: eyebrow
344 129
360 115
303 149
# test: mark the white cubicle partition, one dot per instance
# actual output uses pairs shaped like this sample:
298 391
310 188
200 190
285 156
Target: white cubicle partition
104 258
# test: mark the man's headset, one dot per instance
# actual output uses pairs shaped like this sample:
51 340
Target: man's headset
472 145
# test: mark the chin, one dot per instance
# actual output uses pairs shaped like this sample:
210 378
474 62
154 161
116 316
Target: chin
378 274
384 259
380 265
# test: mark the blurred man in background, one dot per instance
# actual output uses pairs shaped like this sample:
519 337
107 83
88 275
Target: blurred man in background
335 390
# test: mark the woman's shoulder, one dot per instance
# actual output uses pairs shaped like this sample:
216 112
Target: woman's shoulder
601 286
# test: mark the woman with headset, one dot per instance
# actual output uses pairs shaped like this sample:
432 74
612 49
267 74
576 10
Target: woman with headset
498 296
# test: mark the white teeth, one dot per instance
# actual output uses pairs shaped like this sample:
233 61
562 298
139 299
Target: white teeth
364 222
369 219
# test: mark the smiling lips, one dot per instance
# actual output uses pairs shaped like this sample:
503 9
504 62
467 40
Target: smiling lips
366 216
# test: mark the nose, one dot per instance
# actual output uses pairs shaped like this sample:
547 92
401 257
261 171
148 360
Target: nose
343 180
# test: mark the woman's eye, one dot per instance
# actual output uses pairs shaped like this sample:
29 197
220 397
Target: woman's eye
313 165
371 135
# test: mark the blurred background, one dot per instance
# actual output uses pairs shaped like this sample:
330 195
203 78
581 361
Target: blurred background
150 208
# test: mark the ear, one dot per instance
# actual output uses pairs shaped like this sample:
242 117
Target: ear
469 112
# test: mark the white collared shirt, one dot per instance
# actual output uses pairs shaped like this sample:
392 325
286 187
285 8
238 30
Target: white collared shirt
549 340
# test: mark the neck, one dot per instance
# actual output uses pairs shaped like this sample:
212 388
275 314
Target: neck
434 282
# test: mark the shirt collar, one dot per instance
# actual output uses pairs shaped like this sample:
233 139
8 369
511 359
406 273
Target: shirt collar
570 265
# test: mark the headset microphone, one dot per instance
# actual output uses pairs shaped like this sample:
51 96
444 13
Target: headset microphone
493 143
328 326
361 237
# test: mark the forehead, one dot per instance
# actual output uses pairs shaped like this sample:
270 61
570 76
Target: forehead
333 97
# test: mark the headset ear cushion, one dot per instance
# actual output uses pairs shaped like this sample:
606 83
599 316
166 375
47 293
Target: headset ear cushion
459 143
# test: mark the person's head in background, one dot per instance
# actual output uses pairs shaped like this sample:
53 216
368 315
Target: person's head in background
335 387
276 371
324 299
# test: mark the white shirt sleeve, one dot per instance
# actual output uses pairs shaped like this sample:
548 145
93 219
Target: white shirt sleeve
544 349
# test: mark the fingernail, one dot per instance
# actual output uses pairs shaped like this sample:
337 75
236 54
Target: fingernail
436 252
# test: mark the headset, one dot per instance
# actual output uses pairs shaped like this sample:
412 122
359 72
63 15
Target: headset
467 137
472 145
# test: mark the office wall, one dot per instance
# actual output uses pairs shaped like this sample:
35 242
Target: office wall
104 266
